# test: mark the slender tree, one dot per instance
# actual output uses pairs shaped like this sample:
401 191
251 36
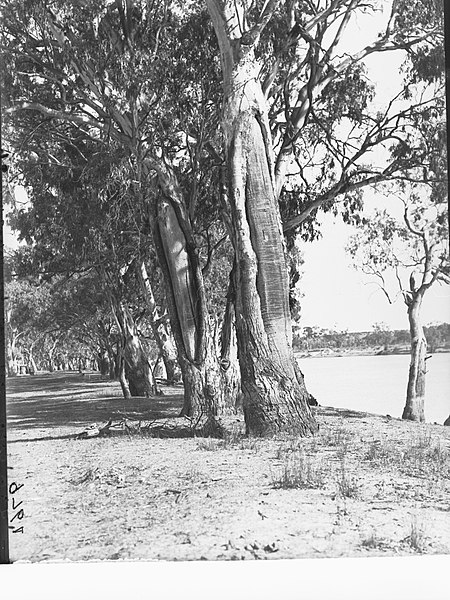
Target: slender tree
415 250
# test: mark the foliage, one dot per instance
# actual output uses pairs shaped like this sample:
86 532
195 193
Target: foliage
331 134
415 247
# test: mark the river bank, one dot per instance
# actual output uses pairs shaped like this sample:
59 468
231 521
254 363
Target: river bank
365 486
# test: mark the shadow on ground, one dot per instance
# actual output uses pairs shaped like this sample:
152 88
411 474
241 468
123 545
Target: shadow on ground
71 399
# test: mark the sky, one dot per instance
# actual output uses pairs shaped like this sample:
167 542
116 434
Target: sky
336 296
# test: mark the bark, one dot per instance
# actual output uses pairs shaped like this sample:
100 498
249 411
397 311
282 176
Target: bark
229 364
204 392
137 368
415 393
274 398
160 328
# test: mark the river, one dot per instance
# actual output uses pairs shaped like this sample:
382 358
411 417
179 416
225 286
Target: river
377 384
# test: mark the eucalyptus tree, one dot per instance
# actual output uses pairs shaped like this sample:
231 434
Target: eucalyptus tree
414 246
123 73
284 68
289 85
415 249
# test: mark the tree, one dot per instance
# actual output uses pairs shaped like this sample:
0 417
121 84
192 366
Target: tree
290 90
73 61
415 249
419 241
274 394
123 71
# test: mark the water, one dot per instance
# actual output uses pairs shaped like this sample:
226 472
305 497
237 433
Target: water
377 384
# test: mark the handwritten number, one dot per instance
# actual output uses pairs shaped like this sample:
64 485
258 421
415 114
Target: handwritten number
19 515
14 506
13 488
19 530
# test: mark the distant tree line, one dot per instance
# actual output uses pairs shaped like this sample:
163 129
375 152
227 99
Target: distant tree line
380 338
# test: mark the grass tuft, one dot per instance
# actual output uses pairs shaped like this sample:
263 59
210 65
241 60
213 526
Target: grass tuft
416 538
348 486
300 471
373 542
339 438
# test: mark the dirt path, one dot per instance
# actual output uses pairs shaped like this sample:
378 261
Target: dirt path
365 486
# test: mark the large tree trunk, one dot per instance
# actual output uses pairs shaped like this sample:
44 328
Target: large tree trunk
415 394
161 331
137 368
274 398
204 392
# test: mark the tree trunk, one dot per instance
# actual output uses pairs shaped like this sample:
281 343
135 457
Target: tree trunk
161 331
11 361
274 398
122 376
204 392
137 368
229 364
114 370
31 363
415 394
10 340
103 362
51 365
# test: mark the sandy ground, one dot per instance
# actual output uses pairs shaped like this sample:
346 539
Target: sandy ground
365 486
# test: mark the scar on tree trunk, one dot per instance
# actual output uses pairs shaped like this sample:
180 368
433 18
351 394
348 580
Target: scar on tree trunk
204 394
274 394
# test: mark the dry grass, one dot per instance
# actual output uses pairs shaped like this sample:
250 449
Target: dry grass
416 538
348 485
422 455
374 542
301 471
